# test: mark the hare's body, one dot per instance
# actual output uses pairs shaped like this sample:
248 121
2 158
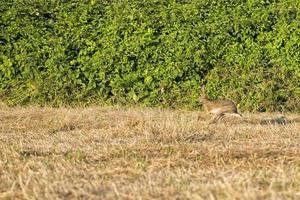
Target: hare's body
217 108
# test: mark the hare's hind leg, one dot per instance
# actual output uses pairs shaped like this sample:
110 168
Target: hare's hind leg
216 118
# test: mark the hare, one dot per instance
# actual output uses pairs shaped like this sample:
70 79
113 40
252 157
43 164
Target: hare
218 108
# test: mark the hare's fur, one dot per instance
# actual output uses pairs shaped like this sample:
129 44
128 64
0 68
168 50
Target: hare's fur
217 108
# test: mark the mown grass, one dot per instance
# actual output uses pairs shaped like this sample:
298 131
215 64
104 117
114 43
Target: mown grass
143 153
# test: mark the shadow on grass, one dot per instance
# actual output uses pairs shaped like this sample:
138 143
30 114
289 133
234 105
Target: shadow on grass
278 120
200 137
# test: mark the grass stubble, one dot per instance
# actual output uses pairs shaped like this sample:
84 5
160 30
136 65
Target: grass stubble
144 153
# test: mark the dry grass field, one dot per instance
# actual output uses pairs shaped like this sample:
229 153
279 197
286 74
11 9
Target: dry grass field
143 153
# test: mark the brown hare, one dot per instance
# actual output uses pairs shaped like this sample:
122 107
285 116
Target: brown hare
217 108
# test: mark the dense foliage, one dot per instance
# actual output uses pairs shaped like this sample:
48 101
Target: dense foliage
151 52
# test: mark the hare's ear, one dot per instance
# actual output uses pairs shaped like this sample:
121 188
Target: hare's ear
202 89
202 92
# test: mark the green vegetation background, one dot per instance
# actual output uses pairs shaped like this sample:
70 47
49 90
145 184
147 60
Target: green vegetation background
151 52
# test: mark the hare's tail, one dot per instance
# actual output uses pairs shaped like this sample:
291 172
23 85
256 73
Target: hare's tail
239 114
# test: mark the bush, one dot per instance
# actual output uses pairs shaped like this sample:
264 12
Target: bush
155 52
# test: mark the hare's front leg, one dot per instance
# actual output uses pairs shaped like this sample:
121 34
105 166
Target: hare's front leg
202 116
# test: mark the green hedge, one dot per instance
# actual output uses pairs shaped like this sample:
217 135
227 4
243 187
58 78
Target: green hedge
151 52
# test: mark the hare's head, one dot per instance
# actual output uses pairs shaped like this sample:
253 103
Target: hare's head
203 96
